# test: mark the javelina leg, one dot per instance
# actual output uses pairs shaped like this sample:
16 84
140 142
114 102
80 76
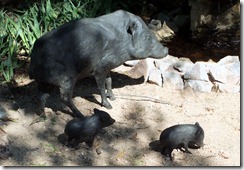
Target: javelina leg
43 89
72 143
43 100
66 92
109 87
100 79
186 149
167 152
68 142
90 141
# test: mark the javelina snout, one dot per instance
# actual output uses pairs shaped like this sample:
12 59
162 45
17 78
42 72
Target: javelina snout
85 130
158 51
181 136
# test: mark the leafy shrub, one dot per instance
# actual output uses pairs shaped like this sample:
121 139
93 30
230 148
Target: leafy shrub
20 28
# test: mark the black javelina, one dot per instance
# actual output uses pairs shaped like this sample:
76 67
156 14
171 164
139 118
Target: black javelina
181 136
85 130
90 46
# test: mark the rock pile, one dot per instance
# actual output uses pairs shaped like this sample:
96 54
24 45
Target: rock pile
179 73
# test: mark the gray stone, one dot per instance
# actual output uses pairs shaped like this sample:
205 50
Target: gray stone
162 31
228 88
166 62
142 68
233 67
229 59
172 78
197 72
155 77
180 73
183 65
199 85
227 70
131 63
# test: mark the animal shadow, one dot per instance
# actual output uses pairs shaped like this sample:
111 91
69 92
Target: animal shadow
87 87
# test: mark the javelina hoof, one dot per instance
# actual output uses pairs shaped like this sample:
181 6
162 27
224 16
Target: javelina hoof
112 98
107 105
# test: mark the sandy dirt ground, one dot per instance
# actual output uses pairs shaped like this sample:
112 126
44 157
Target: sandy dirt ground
141 111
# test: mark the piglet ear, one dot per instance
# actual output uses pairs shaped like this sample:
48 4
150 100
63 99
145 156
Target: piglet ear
131 29
101 119
198 132
96 111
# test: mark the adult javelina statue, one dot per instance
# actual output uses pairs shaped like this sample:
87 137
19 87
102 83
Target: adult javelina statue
85 130
91 46
181 136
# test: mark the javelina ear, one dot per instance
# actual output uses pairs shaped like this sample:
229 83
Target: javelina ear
197 124
131 27
101 119
198 132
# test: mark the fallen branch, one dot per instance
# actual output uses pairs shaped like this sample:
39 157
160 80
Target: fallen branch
40 118
141 98
134 98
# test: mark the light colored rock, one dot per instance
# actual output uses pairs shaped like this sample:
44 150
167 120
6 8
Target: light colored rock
180 73
172 78
162 31
166 62
183 65
197 72
227 70
155 77
232 66
131 63
199 85
142 68
221 73
228 88
229 59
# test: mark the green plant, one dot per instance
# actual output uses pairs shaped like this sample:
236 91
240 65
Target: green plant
8 48
20 28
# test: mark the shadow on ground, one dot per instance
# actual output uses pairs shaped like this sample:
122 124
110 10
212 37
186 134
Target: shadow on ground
27 97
